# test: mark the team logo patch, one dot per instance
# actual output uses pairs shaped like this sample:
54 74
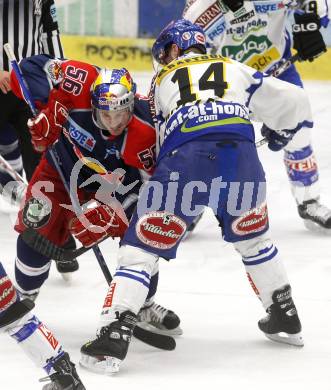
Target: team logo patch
54 71
36 213
8 294
160 230
253 221
52 10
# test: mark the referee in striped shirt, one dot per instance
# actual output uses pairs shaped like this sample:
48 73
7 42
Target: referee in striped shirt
31 28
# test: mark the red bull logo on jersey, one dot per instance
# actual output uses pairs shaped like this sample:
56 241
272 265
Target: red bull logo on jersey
54 71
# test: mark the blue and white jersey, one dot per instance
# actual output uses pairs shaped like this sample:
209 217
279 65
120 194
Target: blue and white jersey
205 94
256 34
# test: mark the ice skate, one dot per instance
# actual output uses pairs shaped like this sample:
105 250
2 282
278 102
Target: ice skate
282 323
64 267
158 319
105 354
317 217
65 377
32 294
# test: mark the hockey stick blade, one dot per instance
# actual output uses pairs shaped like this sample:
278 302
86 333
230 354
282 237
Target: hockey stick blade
156 340
47 248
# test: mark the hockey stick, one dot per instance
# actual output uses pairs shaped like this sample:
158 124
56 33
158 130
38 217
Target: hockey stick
11 191
7 168
48 249
285 65
156 340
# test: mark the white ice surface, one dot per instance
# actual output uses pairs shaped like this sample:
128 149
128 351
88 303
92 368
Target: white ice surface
206 285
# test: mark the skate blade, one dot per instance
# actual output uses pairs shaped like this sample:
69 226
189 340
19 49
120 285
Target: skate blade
67 277
285 338
315 227
166 332
108 366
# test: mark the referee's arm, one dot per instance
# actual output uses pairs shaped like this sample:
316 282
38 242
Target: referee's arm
50 30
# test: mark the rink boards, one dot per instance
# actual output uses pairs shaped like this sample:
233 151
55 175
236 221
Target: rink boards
134 54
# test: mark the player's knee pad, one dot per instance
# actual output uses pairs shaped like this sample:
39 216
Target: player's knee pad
137 258
264 267
251 248
31 268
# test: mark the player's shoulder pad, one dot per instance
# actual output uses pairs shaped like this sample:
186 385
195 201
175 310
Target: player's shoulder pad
81 72
81 65
34 73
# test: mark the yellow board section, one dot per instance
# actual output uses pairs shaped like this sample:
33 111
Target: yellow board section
319 69
135 54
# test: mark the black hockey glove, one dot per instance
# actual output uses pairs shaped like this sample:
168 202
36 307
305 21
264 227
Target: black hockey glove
308 40
277 140
234 5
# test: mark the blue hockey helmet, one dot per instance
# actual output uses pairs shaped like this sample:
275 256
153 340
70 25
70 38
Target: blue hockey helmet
181 32
113 91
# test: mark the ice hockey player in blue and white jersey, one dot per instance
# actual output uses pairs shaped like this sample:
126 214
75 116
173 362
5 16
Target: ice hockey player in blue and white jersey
256 34
207 157
36 340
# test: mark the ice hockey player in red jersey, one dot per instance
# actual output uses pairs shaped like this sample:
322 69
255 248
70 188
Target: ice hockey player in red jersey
97 125
19 321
